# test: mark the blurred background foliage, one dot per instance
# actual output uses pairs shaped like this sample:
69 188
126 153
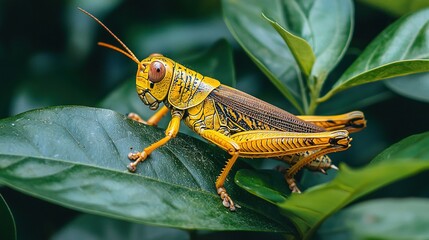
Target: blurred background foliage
49 56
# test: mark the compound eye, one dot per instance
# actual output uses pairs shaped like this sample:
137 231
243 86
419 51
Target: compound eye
156 71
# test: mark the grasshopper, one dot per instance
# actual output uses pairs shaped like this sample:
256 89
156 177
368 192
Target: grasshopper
239 123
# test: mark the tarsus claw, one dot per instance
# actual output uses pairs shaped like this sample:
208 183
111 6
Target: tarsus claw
226 199
131 167
334 167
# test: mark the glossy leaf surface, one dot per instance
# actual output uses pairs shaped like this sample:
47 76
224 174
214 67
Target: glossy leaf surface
401 49
89 227
380 219
300 49
77 157
310 209
414 86
327 36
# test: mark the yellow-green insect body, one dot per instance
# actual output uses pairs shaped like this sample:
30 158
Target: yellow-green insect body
241 124
207 106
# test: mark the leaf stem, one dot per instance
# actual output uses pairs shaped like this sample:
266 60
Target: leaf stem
303 95
326 96
314 94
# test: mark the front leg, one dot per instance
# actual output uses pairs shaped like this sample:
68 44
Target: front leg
153 121
170 132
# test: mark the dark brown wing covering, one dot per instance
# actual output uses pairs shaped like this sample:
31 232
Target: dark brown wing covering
237 103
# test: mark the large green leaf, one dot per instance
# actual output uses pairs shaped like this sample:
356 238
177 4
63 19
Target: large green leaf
398 7
328 36
310 209
300 49
414 147
269 185
77 157
262 43
7 223
331 24
380 219
89 227
401 49
413 86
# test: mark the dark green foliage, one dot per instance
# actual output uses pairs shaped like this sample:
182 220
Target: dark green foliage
322 57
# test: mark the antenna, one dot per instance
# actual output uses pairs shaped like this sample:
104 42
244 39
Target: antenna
127 53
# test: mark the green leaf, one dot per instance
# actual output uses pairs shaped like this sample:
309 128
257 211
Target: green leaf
414 86
269 185
328 36
86 227
380 219
401 49
299 48
411 147
262 43
308 210
77 157
7 223
398 7
330 25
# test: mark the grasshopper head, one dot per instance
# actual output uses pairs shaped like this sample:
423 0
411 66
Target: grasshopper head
153 79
